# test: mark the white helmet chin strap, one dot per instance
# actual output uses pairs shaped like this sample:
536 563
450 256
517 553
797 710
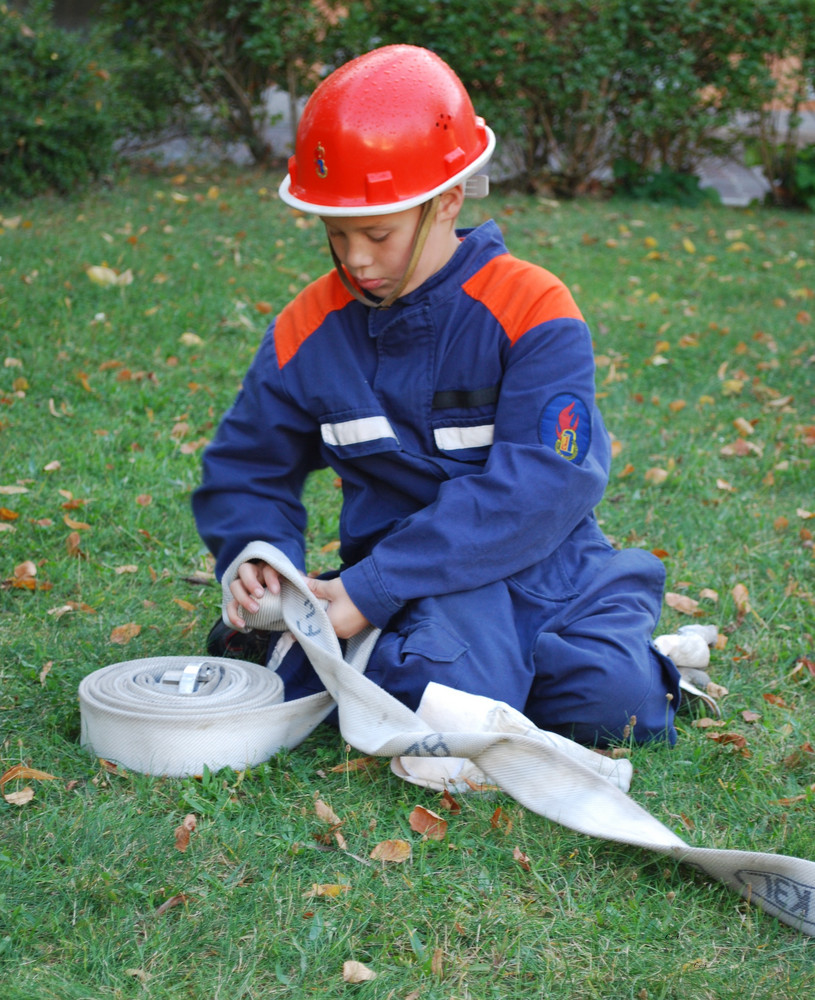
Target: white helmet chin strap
422 230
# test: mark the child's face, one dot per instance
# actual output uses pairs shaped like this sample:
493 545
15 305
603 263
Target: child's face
376 249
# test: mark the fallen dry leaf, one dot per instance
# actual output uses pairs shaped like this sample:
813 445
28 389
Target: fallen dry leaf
20 798
356 972
776 699
326 813
428 823
735 740
522 859
178 900
76 525
122 634
655 476
72 545
185 831
20 772
332 890
356 764
393 851
680 602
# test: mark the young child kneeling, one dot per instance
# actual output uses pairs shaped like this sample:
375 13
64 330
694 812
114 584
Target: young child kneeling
451 387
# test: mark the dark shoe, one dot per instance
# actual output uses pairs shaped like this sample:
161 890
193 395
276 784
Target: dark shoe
223 640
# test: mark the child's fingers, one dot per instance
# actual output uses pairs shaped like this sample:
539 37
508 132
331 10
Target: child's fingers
233 613
250 577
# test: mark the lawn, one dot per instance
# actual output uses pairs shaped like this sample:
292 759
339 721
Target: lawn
705 345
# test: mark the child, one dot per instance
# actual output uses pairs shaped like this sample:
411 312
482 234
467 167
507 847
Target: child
451 387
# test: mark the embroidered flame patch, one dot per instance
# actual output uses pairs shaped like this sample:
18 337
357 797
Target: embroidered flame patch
566 432
565 425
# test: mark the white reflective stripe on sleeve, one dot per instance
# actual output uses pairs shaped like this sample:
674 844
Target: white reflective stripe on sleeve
457 438
357 431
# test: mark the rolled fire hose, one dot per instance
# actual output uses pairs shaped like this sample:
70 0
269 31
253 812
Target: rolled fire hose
546 773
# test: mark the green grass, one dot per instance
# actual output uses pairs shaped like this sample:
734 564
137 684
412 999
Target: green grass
109 384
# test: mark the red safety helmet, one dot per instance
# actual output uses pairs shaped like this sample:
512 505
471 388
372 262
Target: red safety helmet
386 131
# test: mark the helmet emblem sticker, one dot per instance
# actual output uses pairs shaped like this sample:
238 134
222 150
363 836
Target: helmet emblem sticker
565 425
319 159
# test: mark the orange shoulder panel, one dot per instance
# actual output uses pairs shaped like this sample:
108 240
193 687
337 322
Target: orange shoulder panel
304 314
521 295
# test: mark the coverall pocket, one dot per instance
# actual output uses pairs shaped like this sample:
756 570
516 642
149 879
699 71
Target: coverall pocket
434 642
548 580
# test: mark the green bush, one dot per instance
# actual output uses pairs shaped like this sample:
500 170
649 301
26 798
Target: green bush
573 86
56 126
665 186
220 55
803 177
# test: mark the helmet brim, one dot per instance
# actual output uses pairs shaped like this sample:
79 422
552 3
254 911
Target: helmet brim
388 208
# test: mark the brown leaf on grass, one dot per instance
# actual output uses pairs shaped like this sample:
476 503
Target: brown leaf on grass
20 772
356 764
707 723
25 570
740 448
804 663
392 851
741 596
326 813
776 699
144 499
356 972
73 547
122 634
179 899
184 831
111 768
331 890
21 797
735 740
682 603
500 819
522 859
448 802
8 515
655 476
76 525
802 756
750 716
428 823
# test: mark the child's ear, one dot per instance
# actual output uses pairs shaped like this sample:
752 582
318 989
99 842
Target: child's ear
450 202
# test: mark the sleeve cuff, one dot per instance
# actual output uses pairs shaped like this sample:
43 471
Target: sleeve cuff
365 588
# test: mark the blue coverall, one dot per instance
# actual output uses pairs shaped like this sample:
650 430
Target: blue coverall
462 422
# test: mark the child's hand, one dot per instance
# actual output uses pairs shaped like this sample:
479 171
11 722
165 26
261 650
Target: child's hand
346 619
247 589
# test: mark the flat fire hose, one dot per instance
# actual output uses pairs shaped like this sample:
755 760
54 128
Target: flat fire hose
175 716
